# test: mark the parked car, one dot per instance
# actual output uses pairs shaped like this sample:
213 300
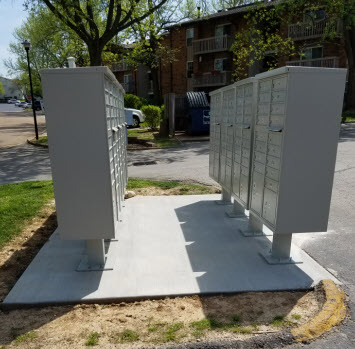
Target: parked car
134 117
12 101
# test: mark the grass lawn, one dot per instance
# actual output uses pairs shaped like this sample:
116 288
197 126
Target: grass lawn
42 140
152 136
19 203
348 116
147 187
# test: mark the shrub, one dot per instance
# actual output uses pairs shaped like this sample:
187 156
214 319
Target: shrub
152 116
133 101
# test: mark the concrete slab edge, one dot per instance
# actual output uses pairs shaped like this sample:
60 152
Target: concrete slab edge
333 312
13 306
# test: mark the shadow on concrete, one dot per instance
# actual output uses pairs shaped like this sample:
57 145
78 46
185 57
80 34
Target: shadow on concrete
227 261
24 163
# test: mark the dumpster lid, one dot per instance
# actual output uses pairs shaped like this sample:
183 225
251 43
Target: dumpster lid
197 100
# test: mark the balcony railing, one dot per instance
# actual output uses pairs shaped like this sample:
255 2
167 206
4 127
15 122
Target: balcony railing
120 66
214 44
327 62
212 79
128 87
309 30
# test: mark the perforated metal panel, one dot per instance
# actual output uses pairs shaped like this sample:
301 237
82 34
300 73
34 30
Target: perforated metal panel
87 142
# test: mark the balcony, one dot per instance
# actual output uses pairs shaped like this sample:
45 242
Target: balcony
309 30
120 66
214 44
212 79
326 62
129 87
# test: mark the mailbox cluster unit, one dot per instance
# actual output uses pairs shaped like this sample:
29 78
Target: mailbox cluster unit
274 142
87 144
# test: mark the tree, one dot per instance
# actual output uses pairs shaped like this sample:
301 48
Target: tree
97 22
148 49
52 43
264 34
2 91
260 37
336 10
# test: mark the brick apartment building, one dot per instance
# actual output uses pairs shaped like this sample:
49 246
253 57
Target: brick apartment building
204 62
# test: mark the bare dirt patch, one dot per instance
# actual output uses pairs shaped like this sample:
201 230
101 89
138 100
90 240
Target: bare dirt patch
149 323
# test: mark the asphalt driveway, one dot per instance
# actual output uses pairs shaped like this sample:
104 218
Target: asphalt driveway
17 125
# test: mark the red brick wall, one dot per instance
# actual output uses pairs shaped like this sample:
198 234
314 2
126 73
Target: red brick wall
173 76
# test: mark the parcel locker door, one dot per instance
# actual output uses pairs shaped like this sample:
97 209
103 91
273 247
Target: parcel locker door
229 157
223 156
257 192
216 160
269 206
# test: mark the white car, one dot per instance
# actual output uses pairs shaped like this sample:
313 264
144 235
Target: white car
12 101
134 117
20 104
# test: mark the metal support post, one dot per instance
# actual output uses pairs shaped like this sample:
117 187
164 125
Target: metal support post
255 227
237 211
280 252
94 258
96 252
226 198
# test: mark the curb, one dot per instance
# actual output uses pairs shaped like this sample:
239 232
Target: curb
333 313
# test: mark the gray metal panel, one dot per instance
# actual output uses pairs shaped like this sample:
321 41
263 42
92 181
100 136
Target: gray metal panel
315 98
78 144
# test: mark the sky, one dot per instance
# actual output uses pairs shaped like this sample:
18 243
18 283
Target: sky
12 14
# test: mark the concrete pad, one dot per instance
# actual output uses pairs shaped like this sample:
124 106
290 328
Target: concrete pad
167 246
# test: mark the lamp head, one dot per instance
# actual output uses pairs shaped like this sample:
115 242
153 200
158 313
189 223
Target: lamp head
27 45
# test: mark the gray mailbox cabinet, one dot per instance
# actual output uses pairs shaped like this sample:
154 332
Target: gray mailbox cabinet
87 145
296 135
273 148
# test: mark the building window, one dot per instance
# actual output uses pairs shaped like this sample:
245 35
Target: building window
314 15
127 78
189 69
220 64
312 53
189 36
221 30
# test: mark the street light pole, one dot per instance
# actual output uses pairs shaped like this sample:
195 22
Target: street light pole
27 46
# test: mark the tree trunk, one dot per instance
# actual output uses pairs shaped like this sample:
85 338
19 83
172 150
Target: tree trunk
349 35
156 87
95 52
